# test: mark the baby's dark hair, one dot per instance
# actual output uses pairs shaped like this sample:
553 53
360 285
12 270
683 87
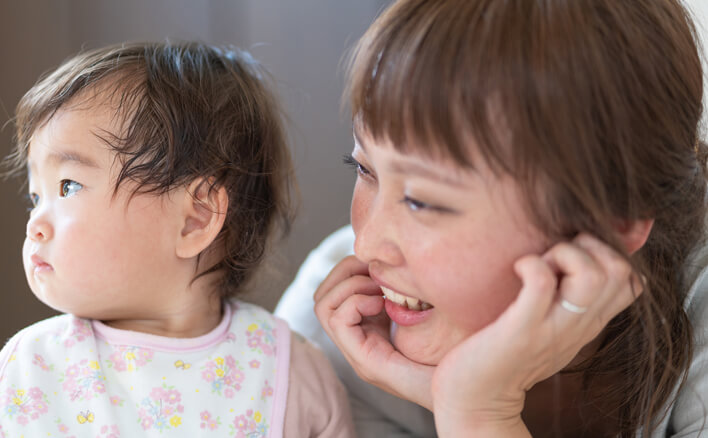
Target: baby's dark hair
187 111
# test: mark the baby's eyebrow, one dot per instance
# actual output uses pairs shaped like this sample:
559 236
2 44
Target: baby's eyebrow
61 157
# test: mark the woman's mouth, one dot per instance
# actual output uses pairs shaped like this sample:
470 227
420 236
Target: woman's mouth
405 301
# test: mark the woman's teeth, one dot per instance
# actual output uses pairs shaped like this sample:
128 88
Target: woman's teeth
402 300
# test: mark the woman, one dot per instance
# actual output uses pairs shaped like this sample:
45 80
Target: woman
530 202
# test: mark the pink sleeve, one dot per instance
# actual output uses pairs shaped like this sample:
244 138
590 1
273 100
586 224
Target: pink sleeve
317 404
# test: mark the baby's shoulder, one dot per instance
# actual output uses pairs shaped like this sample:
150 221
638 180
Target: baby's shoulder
242 309
53 335
51 324
254 318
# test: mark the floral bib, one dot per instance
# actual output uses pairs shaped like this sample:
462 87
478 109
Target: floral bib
72 377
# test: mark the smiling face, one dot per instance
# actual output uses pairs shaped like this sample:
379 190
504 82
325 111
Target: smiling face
442 236
88 252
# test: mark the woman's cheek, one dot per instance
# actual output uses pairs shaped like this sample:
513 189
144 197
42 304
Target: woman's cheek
361 203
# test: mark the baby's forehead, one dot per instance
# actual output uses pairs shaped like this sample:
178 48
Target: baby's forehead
75 133
94 108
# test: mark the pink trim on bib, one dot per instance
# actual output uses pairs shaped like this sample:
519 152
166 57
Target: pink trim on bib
282 369
162 343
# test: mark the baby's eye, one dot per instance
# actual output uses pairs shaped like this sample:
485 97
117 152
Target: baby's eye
68 188
33 200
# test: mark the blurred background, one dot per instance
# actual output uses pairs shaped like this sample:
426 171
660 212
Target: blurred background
300 42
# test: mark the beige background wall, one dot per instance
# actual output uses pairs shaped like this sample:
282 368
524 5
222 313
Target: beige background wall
301 42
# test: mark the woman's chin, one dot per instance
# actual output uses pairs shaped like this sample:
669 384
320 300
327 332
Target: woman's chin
419 349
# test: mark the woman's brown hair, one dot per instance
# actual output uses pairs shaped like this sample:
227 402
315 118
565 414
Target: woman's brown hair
188 111
593 107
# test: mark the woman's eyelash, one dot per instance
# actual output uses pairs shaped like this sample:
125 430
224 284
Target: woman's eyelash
416 205
349 160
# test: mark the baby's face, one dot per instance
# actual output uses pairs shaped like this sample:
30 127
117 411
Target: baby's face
443 239
88 252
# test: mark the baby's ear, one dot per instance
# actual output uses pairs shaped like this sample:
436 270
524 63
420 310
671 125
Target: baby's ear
204 210
634 233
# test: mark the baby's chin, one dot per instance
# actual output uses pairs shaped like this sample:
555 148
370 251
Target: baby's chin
59 304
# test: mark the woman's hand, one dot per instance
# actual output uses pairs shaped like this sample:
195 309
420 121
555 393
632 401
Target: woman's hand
481 383
349 306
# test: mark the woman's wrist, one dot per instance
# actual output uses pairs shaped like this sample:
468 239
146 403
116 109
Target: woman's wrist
455 425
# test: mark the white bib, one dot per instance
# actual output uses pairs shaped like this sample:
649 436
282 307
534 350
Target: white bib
67 376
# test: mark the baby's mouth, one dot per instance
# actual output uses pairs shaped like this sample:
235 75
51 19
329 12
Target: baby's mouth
402 300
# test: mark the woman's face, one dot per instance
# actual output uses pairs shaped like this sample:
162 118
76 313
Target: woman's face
441 237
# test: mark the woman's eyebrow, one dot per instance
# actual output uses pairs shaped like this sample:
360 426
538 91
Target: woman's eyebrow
418 169
413 168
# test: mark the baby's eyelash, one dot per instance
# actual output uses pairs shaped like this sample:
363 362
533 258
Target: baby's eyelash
32 200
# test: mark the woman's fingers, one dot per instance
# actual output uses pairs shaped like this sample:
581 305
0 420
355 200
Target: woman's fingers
364 341
537 293
349 306
328 300
580 276
596 282
618 272
348 267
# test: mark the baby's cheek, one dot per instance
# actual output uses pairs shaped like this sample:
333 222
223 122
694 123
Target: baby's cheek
26 252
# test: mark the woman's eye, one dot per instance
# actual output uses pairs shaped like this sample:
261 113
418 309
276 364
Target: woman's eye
416 205
68 188
360 169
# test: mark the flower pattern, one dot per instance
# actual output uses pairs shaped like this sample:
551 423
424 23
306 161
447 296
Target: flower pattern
249 425
111 431
267 391
79 331
82 383
208 421
161 410
261 338
61 427
224 375
39 361
83 380
128 358
24 406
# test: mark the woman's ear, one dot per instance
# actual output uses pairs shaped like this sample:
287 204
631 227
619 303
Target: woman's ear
204 210
634 234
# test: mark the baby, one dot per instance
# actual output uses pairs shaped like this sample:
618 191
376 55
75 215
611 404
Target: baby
158 174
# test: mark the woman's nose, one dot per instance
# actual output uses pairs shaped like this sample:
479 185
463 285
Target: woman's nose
377 235
38 228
